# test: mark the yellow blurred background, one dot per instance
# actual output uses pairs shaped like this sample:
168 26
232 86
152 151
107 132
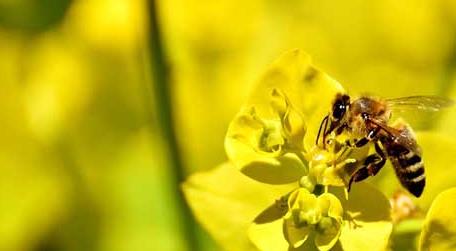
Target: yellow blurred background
92 147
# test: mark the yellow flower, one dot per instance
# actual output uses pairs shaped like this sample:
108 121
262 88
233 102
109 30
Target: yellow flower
268 148
269 140
307 212
325 221
439 229
295 188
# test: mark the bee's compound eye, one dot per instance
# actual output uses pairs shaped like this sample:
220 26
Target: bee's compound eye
339 109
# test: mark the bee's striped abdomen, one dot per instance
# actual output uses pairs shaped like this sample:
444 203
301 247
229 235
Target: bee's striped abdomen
409 168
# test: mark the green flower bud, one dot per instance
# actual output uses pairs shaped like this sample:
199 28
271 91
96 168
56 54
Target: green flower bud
271 139
307 182
324 224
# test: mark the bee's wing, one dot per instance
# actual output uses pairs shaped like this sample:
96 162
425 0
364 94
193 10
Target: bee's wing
425 103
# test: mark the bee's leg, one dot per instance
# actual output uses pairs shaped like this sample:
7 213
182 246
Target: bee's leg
372 165
357 142
364 140
323 125
341 128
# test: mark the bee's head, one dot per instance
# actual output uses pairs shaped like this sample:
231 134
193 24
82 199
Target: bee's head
340 107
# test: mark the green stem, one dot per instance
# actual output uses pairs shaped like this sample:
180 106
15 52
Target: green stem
162 95
409 226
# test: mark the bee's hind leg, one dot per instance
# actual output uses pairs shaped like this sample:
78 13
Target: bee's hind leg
371 166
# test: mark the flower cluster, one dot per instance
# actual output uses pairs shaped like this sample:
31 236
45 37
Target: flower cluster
270 141
308 213
293 192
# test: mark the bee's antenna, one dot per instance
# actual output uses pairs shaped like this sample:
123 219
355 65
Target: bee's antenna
324 121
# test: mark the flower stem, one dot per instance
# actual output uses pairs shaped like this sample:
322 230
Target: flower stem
162 95
409 226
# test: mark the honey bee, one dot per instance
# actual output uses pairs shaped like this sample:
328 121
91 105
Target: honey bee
366 119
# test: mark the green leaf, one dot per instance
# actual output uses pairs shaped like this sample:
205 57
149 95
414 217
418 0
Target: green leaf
225 202
439 230
367 219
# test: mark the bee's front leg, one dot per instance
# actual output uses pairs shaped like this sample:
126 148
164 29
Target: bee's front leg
371 166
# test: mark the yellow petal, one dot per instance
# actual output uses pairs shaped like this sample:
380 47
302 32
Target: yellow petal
225 202
310 90
295 236
367 219
331 205
295 128
254 145
306 204
439 231
325 241
309 207
268 236
298 195
281 170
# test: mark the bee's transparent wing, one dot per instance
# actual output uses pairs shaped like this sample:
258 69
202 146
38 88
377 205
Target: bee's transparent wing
425 103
